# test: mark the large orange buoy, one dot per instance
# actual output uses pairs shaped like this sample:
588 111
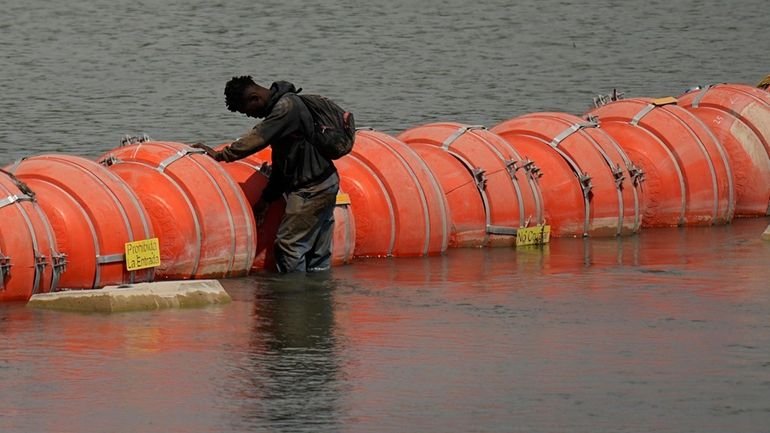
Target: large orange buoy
739 116
589 183
509 200
93 214
249 174
204 224
689 177
398 205
29 261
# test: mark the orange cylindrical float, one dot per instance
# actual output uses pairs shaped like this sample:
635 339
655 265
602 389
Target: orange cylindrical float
29 261
739 116
485 166
590 185
689 180
252 180
93 214
398 205
201 217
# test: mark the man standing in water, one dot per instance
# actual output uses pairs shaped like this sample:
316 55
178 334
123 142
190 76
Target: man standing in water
308 180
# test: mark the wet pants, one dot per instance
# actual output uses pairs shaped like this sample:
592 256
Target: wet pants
304 240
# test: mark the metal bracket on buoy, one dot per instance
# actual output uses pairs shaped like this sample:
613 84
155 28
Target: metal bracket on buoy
512 166
637 174
5 269
600 100
533 170
40 264
109 161
59 267
585 183
617 173
128 140
479 175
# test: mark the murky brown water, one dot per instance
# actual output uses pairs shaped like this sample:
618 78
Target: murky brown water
667 332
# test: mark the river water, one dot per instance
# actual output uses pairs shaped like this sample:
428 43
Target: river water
666 331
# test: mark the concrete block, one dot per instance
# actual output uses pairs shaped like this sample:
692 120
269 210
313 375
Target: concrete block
766 234
135 297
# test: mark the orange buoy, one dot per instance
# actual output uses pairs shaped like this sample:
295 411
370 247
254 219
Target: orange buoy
204 224
739 116
93 214
589 183
29 261
689 180
487 165
247 172
398 205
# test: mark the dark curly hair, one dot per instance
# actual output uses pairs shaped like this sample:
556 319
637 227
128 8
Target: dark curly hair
234 91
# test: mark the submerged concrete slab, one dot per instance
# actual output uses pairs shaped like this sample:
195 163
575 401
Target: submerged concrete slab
766 234
135 297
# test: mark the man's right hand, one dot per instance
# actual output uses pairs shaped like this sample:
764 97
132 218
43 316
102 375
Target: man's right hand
209 151
260 210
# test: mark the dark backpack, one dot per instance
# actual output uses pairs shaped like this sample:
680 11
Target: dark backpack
334 129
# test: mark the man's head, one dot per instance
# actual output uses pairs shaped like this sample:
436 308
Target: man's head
245 96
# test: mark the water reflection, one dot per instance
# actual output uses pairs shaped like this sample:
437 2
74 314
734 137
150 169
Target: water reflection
292 376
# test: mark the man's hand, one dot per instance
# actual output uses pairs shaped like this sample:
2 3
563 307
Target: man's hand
260 210
209 151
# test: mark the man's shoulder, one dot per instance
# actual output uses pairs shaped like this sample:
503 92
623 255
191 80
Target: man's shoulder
288 101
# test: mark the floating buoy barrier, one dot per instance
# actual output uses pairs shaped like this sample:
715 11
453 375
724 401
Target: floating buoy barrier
688 177
701 159
398 205
93 214
590 185
201 217
739 116
29 261
251 175
485 165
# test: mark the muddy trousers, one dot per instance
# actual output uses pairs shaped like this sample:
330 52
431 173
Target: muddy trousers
304 240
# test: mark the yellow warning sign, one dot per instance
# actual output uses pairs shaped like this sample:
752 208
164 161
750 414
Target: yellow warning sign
142 254
343 199
536 235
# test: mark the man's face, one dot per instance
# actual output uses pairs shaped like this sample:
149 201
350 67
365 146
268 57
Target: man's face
254 102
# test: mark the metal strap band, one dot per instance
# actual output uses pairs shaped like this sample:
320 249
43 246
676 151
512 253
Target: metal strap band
176 157
457 134
591 123
642 113
699 96
11 199
110 258
501 230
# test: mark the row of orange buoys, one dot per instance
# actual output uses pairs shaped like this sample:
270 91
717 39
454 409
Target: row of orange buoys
701 159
